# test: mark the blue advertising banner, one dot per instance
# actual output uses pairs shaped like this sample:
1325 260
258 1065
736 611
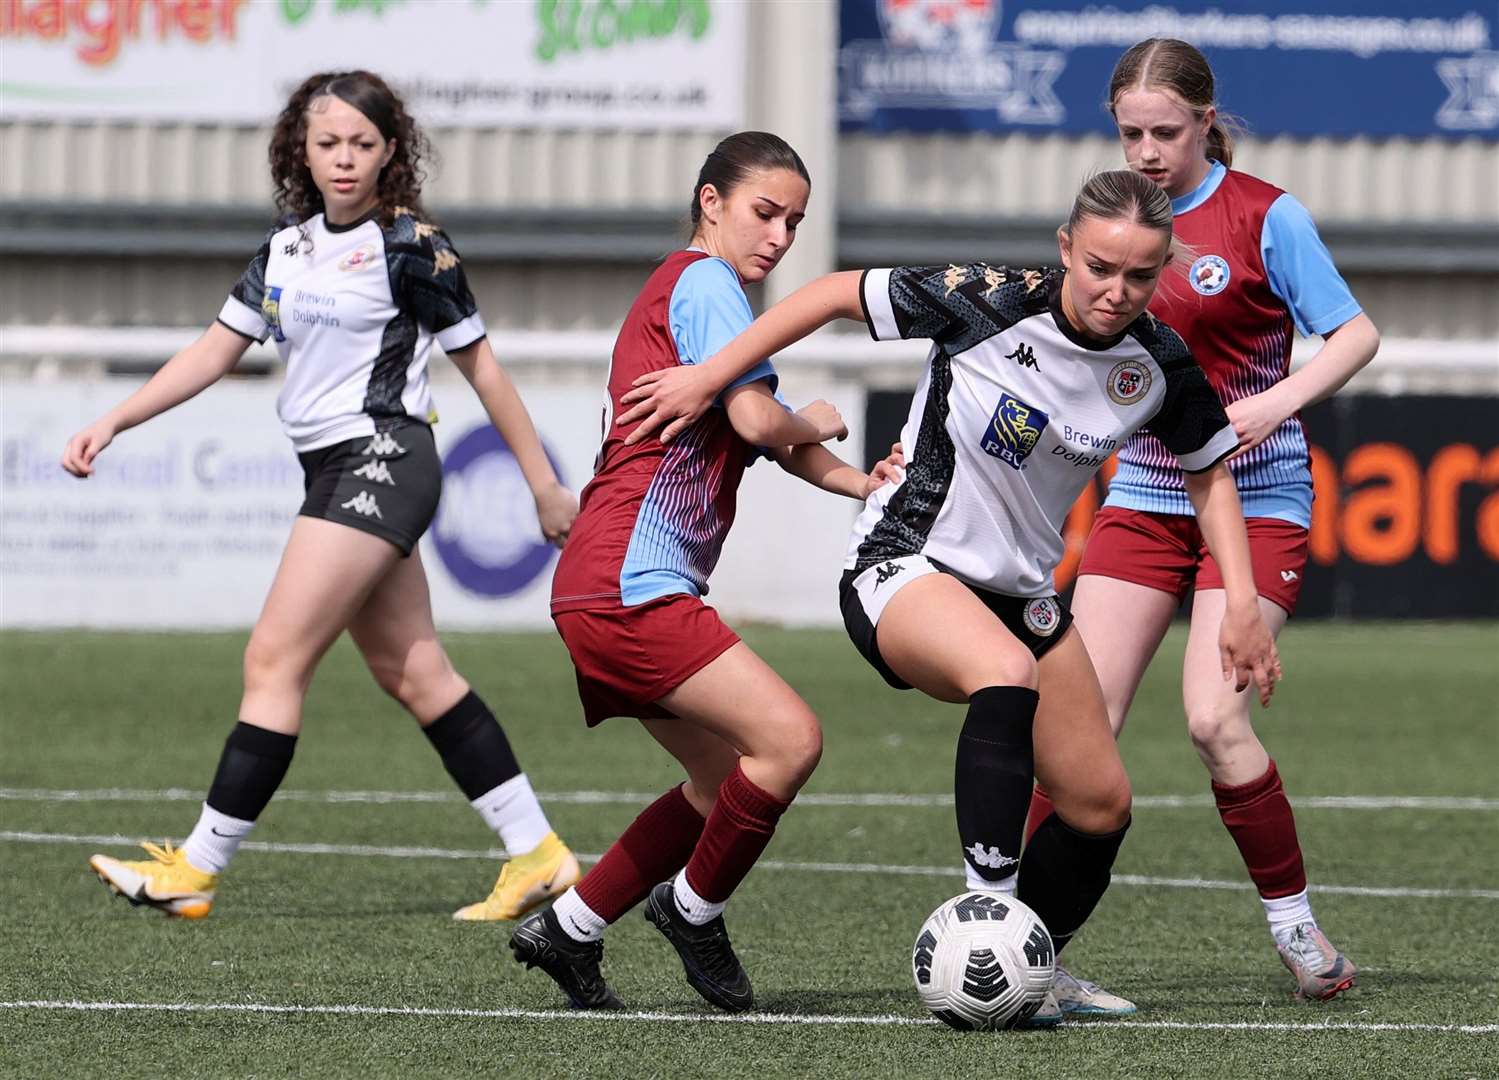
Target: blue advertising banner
1286 67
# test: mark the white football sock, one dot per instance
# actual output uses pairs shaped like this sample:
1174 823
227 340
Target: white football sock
512 811
214 840
1286 913
579 921
978 883
693 907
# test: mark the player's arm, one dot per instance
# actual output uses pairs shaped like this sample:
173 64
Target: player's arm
678 396
1245 644
185 375
556 506
1302 274
760 420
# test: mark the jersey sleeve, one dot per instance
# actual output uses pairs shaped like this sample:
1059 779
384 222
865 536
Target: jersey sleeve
915 301
242 310
1301 270
433 287
708 310
1191 421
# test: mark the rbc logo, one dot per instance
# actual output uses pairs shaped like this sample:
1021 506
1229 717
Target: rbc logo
1014 430
486 531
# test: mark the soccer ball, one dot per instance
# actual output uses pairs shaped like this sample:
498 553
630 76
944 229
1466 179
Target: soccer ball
983 961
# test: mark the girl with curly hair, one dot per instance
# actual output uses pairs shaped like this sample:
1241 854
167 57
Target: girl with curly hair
355 286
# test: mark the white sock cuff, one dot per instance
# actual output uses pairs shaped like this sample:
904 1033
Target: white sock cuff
978 883
696 910
579 921
512 810
214 840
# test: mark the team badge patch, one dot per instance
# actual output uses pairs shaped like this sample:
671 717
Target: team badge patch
1014 430
1209 275
270 311
358 259
1128 382
1042 616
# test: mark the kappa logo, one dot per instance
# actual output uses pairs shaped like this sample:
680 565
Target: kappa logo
1289 576
886 572
1014 430
1025 356
1129 380
1042 616
376 472
364 503
1209 275
383 445
989 857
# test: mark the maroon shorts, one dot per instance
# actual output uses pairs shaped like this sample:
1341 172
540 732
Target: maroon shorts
1167 552
628 658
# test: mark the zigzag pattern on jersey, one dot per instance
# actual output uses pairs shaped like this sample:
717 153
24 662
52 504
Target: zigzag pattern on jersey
679 527
250 288
908 518
960 306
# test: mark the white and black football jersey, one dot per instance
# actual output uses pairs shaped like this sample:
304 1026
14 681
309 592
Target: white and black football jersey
1014 414
354 310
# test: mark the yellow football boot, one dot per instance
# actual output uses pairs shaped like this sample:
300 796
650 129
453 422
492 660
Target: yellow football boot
526 882
167 882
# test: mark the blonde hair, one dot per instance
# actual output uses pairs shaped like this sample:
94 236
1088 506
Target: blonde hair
1178 67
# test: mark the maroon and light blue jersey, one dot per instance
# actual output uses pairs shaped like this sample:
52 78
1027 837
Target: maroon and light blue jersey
1259 270
653 519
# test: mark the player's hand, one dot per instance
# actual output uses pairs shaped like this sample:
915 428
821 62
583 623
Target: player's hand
824 417
78 456
1247 650
672 396
1255 419
890 470
556 509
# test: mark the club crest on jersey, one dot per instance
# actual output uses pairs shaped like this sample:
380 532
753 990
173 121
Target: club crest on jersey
1209 275
1014 430
358 259
1128 382
270 311
1042 616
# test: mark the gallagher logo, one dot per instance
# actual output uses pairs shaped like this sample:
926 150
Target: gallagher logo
486 532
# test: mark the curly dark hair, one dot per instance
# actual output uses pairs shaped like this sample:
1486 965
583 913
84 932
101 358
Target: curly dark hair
297 197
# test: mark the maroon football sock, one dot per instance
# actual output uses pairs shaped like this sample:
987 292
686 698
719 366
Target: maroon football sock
655 846
1258 817
1041 809
741 824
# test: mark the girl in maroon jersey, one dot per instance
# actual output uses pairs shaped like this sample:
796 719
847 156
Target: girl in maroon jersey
627 598
1259 269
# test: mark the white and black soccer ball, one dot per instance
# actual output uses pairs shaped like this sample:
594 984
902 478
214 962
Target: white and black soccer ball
983 961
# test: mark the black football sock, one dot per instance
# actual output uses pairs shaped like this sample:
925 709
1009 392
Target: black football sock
1065 873
473 747
251 768
993 777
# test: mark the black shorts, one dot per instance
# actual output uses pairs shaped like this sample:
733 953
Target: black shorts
386 484
1037 622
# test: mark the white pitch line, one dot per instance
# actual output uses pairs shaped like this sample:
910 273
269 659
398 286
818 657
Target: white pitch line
896 870
803 1019
638 798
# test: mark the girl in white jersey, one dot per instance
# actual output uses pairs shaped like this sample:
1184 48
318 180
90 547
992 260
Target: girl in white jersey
355 289
1033 378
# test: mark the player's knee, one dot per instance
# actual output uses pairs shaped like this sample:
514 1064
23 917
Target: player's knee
796 748
267 662
1215 725
1104 808
1007 667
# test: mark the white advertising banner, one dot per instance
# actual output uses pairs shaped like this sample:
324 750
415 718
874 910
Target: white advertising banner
183 523
597 64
